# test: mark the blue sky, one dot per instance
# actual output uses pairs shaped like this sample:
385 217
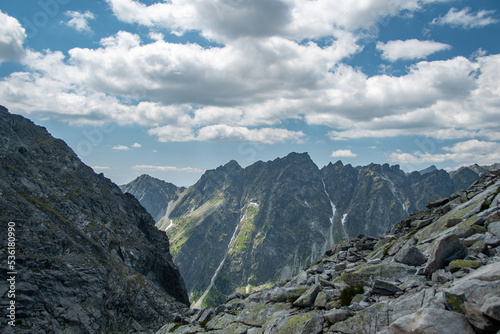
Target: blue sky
173 88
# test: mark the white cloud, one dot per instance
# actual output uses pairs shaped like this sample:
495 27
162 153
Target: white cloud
222 132
100 167
121 148
466 19
136 145
79 21
167 169
344 154
253 81
12 36
410 49
225 20
464 153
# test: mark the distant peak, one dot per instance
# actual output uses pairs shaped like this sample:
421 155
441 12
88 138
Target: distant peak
427 170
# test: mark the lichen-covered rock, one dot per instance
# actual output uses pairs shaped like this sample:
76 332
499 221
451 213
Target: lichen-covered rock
309 322
456 265
307 298
366 274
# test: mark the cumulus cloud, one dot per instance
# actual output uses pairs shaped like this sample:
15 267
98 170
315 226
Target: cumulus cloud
222 132
464 153
167 169
137 145
410 49
12 36
224 20
121 148
466 19
79 21
343 154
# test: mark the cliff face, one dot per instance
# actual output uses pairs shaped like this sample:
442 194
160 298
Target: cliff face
244 227
88 258
436 271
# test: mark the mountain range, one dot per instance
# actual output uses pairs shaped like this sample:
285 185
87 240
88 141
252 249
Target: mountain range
238 228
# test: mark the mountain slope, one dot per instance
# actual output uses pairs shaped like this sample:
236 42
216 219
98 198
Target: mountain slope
238 228
88 258
440 277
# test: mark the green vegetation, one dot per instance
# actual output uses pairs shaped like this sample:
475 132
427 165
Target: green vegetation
347 294
246 230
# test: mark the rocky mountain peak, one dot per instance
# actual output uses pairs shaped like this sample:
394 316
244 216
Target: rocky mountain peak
88 257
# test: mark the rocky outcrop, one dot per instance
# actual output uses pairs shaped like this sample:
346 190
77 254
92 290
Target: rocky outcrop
88 259
359 286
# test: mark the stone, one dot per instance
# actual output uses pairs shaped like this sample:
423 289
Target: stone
309 322
410 256
335 316
491 240
307 299
491 306
430 320
453 221
366 274
454 302
494 228
384 288
445 250
322 300
473 239
442 276
478 320
289 294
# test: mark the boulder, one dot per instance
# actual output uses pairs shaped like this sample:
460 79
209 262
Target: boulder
477 319
456 265
284 323
367 274
445 249
307 298
494 228
430 320
491 306
335 316
410 256
384 288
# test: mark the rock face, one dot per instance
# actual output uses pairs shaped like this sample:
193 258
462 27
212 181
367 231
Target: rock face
244 227
88 259
359 287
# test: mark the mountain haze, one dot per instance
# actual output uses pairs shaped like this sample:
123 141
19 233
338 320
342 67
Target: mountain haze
240 228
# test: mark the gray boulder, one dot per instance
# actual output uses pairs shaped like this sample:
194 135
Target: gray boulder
445 250
431 320
410 256
384 288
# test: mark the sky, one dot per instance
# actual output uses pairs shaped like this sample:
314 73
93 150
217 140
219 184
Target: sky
174 88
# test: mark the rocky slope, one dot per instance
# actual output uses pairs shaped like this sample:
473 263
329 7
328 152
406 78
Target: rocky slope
436 271
238 228
88 258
